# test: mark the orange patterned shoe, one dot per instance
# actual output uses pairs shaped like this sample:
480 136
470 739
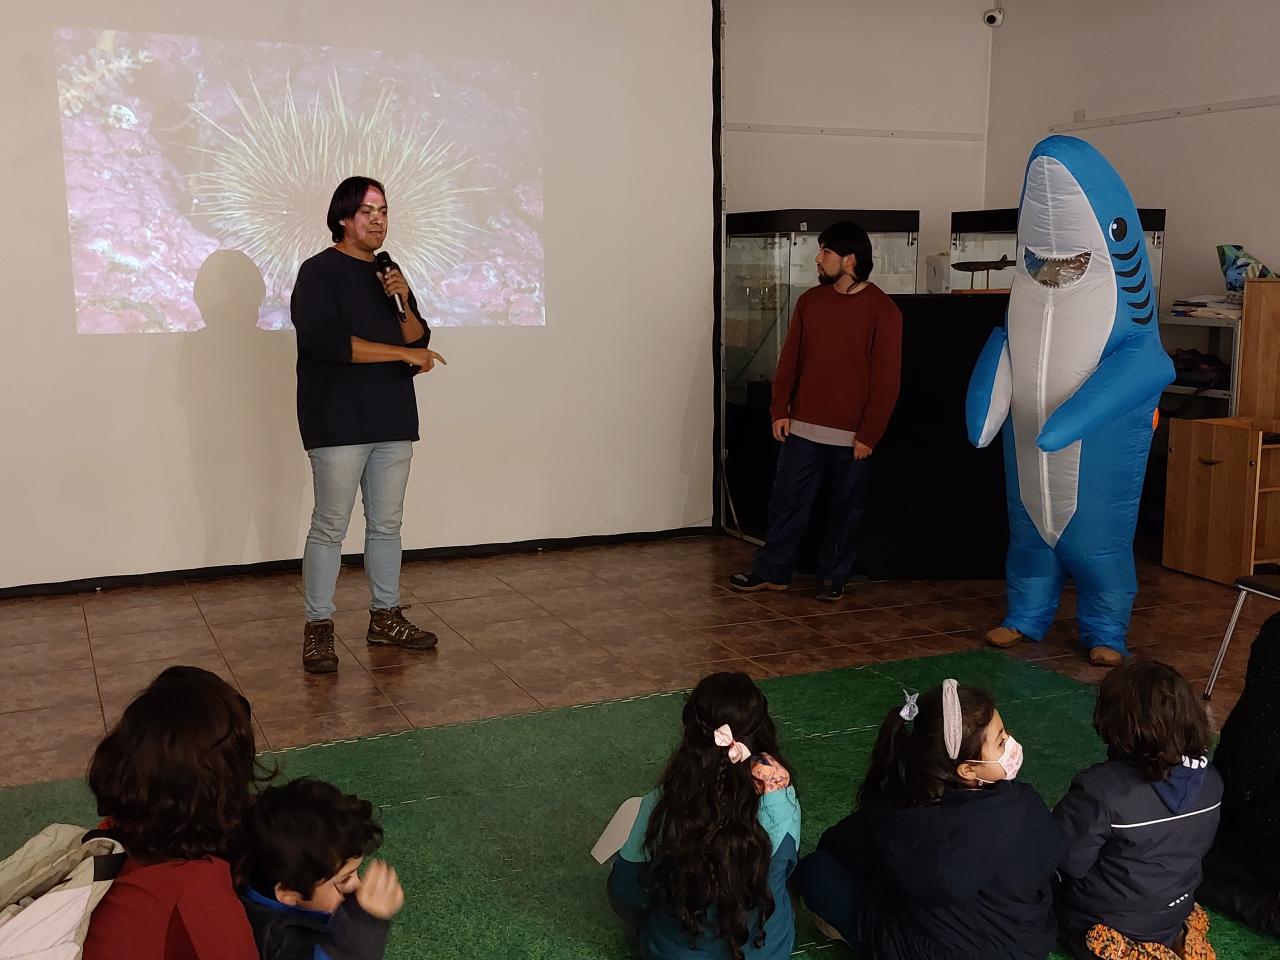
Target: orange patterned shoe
1109 944
1198 946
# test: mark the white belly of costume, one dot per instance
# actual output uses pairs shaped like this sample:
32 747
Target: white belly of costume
1056 338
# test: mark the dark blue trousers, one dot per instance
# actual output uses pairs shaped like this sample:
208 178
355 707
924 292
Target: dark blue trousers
804 469
831 891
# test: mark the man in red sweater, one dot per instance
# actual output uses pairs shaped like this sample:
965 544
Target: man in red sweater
836 385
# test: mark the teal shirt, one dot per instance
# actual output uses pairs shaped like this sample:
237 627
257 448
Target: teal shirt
661 935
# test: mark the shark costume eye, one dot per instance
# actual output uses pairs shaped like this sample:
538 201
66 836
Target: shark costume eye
1119 229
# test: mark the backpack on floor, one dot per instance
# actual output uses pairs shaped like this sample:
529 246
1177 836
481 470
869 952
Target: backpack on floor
48 889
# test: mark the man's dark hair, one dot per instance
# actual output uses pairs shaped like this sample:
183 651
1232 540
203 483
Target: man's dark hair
176 773
845 238
1148 715
346 201
302 833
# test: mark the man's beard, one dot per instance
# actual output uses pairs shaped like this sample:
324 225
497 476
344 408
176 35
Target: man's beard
827 278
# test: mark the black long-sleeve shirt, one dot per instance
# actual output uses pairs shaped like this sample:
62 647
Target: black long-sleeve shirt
340 403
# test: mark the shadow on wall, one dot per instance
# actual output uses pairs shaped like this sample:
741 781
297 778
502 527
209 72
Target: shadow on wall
237 385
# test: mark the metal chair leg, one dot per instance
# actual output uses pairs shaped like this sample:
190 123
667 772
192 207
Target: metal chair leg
1226 642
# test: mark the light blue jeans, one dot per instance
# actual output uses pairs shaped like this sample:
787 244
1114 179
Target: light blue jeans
381 472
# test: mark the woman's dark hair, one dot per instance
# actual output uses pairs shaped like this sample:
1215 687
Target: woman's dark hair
302 833
346 201
845 238
1147 714
176 772
708 851
909 763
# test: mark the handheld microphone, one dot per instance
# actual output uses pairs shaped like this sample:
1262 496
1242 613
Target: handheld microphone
385 264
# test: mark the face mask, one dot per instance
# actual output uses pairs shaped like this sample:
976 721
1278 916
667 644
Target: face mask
1010 760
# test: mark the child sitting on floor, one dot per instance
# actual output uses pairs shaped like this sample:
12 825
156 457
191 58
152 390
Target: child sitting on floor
704 871
1242 871
307 898
174 779
946 855
1139 824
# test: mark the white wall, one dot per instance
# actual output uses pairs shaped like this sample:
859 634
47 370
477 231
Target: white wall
1216 174
128 454
861 64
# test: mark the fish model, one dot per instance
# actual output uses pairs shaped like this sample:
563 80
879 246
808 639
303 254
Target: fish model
978 266
974 267
1073 380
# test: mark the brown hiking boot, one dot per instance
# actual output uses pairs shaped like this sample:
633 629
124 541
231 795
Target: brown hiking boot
1105 657
318 655
1004 637
390 627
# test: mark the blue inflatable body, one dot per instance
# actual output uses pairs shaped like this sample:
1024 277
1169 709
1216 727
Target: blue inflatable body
1073 380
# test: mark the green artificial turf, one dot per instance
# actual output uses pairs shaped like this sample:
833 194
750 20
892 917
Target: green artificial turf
490 823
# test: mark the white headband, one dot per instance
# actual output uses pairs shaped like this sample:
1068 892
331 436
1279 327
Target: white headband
952 719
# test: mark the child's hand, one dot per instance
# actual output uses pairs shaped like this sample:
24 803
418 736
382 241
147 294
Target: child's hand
380 894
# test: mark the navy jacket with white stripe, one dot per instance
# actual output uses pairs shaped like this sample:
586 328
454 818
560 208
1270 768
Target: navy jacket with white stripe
1134 848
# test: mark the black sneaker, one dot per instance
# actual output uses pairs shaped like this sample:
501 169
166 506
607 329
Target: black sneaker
831 591
318 655
391 627
750 583
853 578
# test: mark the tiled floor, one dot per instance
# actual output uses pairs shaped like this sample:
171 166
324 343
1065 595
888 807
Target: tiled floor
521 633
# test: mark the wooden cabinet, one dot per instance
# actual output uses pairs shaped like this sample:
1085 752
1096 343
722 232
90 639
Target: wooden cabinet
1222 516
1222 501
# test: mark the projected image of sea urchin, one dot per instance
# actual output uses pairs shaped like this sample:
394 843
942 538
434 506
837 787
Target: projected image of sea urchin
178 147
268 184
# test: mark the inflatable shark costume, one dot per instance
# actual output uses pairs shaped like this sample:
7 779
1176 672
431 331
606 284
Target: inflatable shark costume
1074 378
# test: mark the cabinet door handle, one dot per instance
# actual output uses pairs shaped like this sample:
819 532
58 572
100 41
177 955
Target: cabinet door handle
1209 463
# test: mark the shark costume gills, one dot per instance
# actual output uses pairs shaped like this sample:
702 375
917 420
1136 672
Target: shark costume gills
1074 379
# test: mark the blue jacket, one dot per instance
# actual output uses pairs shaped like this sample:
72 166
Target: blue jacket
661 935
1134 848
283 932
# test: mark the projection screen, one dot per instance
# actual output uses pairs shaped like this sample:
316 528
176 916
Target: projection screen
549 177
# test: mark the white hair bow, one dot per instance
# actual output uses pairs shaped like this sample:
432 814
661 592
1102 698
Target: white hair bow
737 751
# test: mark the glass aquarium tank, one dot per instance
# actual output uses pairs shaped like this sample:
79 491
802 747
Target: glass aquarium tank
769 262
984 248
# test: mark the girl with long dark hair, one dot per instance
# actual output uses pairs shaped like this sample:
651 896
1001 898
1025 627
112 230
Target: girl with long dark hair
704 871
947 856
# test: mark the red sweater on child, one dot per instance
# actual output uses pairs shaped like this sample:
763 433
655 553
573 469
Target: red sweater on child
179 910
842 362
